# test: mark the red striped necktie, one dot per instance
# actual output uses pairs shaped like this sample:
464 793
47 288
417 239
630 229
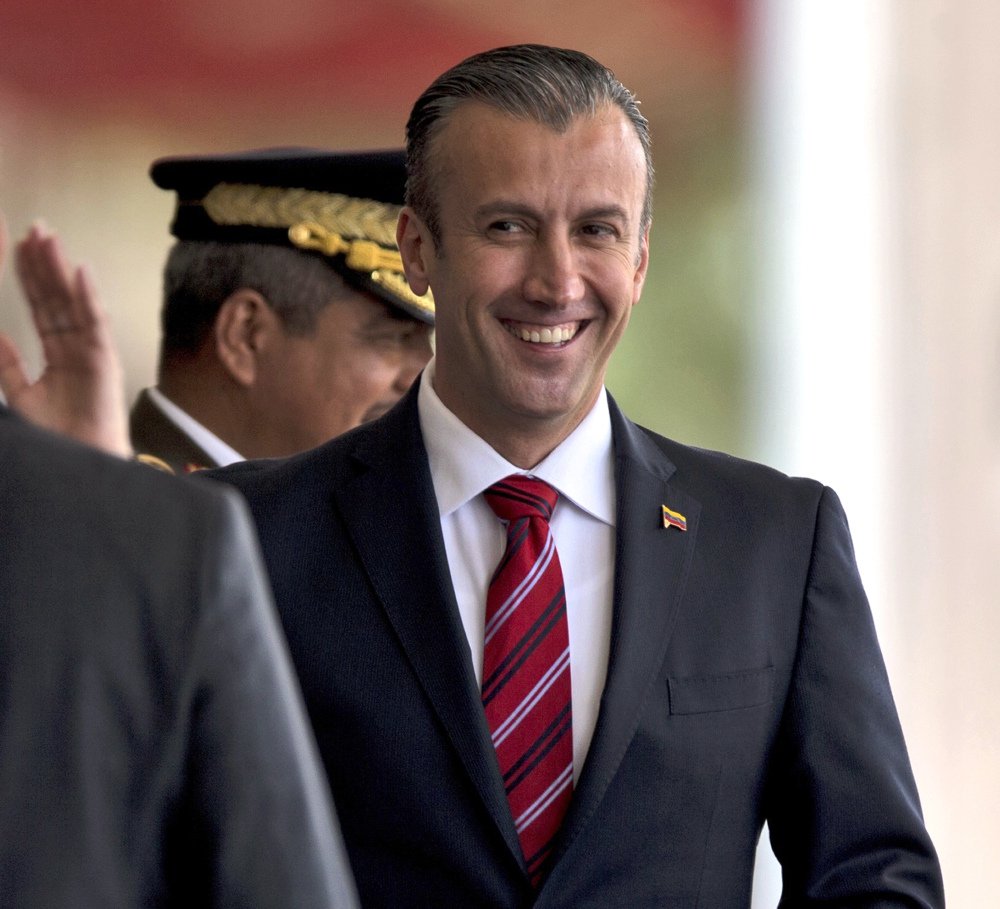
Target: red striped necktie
526 676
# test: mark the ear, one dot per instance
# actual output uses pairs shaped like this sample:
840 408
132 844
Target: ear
641 266
415 247
241 330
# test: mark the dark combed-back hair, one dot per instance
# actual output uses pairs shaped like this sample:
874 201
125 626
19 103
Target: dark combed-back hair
200 275
549 85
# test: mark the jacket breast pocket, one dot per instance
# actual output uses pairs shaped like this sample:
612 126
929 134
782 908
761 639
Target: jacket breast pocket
715 693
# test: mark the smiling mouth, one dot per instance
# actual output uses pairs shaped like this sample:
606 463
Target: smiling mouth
543 334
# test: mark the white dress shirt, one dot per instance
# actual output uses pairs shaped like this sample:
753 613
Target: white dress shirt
583 527
204 438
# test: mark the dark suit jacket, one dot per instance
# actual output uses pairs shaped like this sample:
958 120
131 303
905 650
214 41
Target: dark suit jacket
745 684
153 746
153 433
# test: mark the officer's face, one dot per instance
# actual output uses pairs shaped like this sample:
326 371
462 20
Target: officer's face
359 361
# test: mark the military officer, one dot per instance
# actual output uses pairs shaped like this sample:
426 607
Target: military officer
286 317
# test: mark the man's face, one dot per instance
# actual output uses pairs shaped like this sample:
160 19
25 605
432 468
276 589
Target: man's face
358 362
541 258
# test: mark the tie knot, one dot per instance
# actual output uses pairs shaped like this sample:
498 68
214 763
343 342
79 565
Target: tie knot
518 496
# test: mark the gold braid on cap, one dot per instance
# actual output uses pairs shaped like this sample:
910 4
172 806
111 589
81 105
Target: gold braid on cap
330 223
276 206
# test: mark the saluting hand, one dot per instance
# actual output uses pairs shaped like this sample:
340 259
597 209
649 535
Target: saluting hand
80 392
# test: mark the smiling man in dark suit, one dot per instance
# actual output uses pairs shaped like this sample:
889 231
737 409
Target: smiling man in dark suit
675 646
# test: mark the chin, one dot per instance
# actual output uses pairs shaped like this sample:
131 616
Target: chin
373 414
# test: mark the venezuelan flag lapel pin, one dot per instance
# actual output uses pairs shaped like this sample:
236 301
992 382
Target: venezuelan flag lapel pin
673 518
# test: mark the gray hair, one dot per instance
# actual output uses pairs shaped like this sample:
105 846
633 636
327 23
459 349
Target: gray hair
549 85
200 275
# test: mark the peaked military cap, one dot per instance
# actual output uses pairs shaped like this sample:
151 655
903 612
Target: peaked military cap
342 205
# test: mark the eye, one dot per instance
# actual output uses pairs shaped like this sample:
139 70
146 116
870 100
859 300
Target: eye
599 230
398 333
505 226
385 336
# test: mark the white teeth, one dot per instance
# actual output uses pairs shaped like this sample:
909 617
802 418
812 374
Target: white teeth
558 335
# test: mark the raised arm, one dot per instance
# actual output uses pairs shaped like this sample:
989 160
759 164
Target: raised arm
80 391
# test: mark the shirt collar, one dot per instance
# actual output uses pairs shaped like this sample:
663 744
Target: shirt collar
205 439
462 464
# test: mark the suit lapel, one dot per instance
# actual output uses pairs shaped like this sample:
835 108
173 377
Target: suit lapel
391 514
651 566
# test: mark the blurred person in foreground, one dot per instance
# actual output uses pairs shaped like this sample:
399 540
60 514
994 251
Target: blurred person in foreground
154 747
552 658
286 317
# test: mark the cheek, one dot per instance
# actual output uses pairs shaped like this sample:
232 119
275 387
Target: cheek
319 386
619 286
487 273
366 375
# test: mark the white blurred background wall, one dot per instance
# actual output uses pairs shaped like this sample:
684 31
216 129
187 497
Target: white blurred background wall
878 362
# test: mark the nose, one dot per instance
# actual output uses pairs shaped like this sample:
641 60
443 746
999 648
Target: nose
553 273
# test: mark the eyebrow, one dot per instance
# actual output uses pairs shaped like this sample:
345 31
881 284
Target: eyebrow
504 207
386 314
508 207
